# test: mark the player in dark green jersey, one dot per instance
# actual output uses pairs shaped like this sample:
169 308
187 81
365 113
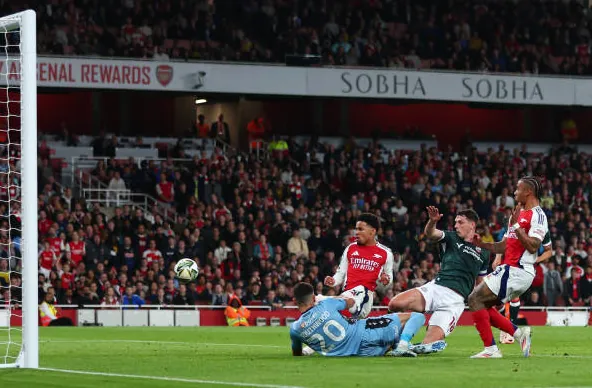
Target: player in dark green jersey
463 264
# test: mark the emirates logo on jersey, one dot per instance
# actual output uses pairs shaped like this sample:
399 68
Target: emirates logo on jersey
364 264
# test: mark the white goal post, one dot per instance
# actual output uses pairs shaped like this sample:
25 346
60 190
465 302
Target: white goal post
20 45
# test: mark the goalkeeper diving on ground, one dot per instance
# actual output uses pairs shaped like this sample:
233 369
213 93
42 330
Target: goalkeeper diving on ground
326 331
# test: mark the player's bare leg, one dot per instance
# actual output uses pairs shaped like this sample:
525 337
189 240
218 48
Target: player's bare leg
409 300
433 334
414 300
482 298
433 341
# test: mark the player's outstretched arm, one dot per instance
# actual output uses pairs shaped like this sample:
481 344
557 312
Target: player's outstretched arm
386 275
339 277
546 255
296 345
495 247
430 229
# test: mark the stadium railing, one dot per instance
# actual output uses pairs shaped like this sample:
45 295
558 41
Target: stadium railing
107 197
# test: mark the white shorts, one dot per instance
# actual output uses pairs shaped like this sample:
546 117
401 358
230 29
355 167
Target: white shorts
364 299
45 272
445 305
508 282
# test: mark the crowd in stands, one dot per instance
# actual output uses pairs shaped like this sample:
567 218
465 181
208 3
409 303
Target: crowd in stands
257 227
524 36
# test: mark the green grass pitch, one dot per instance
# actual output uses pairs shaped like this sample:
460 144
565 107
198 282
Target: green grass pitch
261 357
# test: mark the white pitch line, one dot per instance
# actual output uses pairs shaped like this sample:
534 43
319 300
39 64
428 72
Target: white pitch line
164 343
175 379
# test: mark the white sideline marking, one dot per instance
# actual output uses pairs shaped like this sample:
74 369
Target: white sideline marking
164 343
175 379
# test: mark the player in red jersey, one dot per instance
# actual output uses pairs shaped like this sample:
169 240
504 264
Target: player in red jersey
363 263
526 230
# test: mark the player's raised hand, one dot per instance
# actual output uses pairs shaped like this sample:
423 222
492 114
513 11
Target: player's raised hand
515 214
496 263
434 213
384 278
329 281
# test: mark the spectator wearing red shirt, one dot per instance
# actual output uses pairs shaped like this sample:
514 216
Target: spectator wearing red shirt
572 291
44 224
76 249
233 262
165 189
55 242
110 299
152 254
66 278
47 259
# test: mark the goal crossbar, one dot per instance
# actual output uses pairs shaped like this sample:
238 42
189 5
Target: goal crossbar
12 22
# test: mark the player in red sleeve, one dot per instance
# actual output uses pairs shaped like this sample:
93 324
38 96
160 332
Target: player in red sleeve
526 230
363 263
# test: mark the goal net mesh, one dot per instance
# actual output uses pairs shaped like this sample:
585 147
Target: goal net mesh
10 191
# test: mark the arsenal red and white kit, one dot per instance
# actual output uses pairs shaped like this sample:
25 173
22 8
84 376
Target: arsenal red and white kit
359 270
534 223
514 277
361 265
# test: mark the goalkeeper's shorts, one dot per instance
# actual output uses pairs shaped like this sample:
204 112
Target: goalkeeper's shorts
380 335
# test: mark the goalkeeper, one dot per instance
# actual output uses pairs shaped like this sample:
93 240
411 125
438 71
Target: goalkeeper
326 331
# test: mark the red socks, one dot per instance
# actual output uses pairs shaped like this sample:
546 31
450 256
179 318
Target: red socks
483 325
486 318
501 322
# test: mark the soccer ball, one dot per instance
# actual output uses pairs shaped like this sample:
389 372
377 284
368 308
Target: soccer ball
186 270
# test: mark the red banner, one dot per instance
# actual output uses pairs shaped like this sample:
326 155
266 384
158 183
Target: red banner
216 317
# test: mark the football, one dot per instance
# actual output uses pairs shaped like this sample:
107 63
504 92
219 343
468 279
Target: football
186 270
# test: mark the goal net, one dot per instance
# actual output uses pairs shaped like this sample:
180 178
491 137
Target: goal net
18 191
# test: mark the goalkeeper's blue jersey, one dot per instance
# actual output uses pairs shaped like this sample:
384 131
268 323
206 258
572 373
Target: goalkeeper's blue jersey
326 331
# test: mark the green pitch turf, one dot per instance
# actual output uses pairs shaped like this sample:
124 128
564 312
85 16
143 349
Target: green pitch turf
261 357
